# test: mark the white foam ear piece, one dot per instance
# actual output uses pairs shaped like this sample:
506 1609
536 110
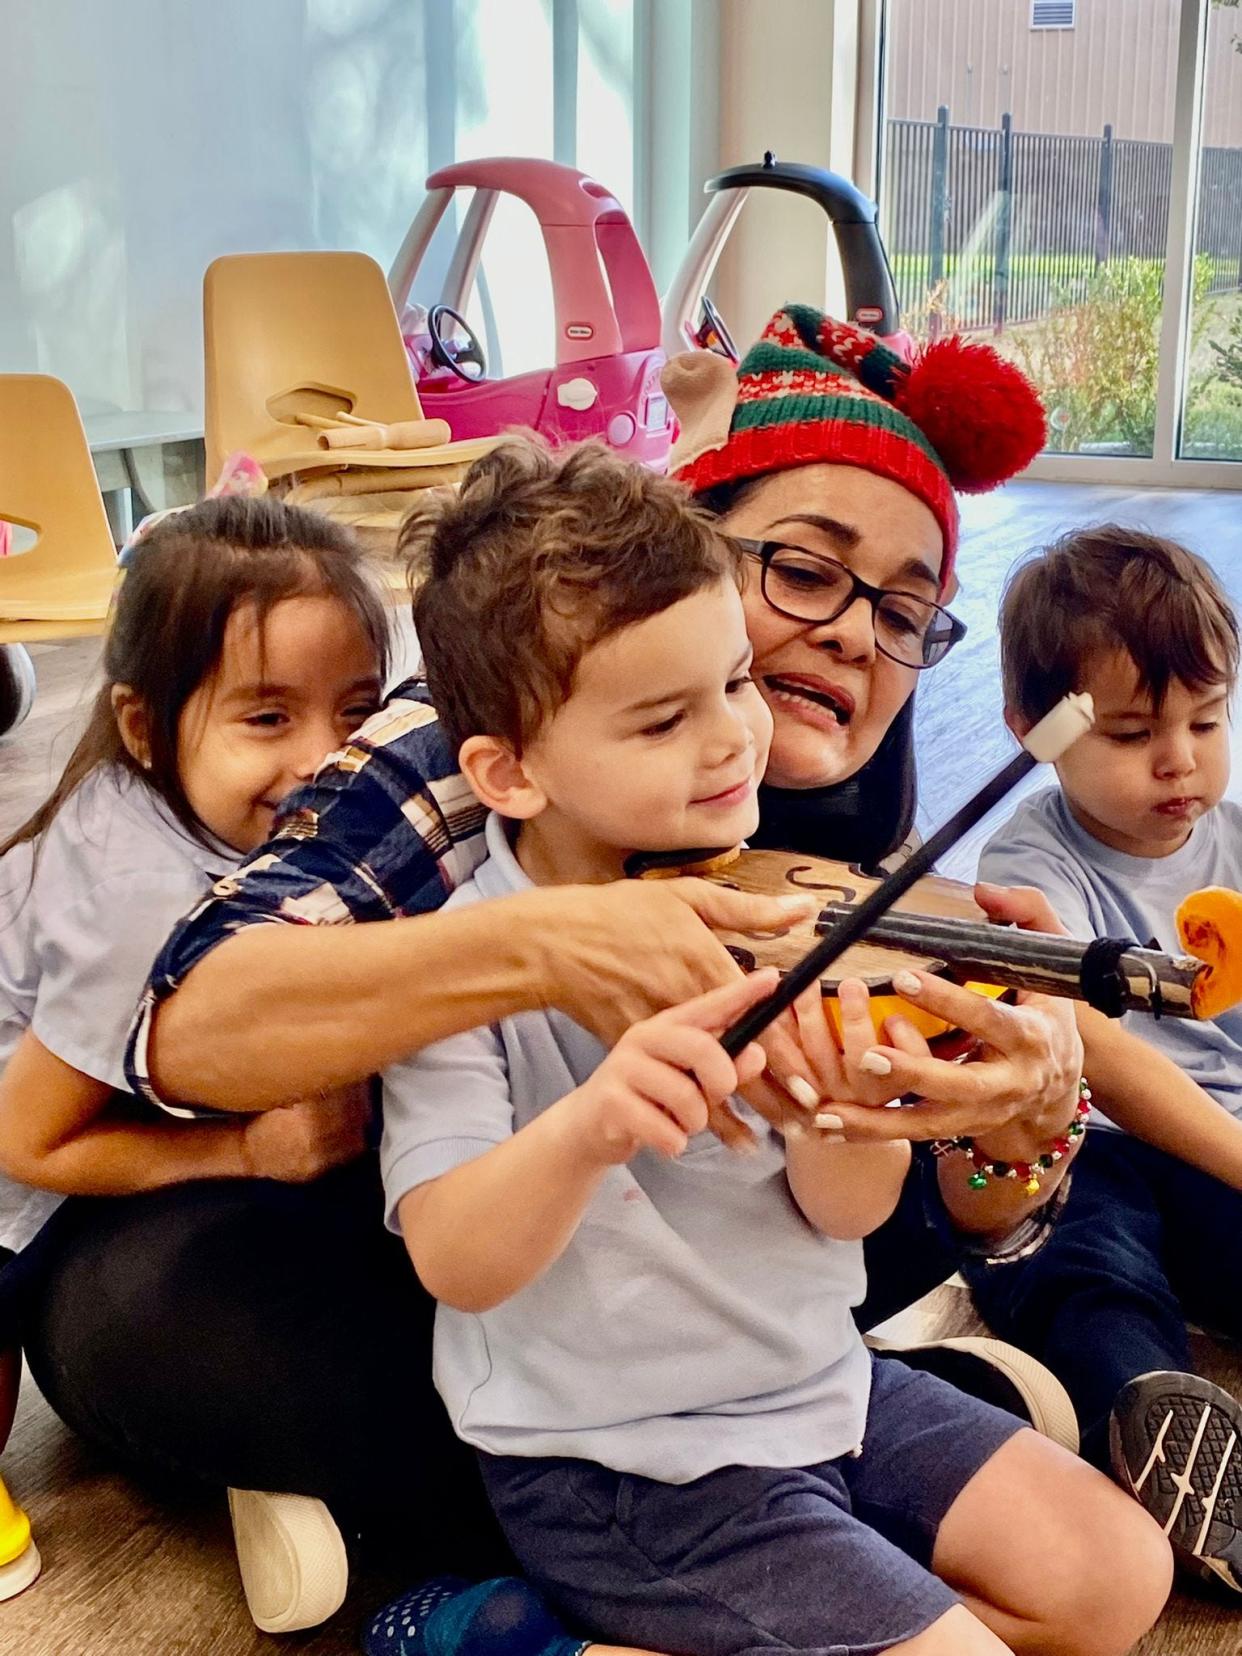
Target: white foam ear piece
1060 728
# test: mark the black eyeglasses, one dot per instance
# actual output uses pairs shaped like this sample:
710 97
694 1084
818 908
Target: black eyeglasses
806 586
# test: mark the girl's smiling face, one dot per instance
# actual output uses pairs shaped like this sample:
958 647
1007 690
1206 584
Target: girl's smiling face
280 701
832 694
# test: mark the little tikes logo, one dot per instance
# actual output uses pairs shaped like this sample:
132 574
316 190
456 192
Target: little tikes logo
579 330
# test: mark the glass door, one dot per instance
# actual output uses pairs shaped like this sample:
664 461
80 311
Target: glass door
1064 179
1211 425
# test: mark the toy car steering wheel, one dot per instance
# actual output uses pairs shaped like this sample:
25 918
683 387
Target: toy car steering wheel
455 356
713 324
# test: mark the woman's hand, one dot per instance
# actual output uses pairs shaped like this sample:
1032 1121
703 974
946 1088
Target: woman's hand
1021 1089
810 1067
296 1143
841 1070
617 954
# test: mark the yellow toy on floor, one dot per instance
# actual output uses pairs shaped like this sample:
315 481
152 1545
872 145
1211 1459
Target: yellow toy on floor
19 1557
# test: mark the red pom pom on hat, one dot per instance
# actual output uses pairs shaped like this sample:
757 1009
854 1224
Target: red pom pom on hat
979 412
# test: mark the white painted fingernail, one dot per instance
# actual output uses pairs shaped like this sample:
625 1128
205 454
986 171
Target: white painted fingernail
832 1138
905 983
833 1123
875 1063
803 1091
794 903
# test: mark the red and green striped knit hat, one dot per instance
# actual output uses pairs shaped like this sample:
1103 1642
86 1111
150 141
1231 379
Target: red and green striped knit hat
959 417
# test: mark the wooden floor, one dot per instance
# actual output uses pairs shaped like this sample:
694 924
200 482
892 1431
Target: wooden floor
125 1574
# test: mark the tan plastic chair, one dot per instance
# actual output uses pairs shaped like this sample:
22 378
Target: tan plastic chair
308 333
62 586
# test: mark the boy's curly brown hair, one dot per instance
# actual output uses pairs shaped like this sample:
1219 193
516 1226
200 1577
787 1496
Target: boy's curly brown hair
542 554
1108 588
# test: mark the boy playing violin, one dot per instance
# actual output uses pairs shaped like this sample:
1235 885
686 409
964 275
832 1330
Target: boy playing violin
646 1336
1137 824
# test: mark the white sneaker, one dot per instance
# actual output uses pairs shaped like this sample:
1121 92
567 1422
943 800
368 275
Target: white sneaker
20 1572
294 1568
999 1374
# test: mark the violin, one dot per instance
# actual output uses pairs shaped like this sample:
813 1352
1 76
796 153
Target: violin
937 927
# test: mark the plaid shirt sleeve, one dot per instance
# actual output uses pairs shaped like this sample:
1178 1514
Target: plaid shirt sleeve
388 827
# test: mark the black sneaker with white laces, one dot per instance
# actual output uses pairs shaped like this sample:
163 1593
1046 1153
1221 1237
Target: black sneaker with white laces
1175 1441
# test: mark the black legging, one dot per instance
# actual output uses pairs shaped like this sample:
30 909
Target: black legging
257 1335
271 1336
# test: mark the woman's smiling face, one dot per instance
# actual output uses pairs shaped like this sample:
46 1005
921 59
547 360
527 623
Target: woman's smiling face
833 695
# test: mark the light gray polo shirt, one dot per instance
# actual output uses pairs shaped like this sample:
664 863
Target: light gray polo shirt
696 1320
1099 892
80 925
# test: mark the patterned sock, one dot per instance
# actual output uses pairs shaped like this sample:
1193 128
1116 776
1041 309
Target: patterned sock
445 1617
397 1629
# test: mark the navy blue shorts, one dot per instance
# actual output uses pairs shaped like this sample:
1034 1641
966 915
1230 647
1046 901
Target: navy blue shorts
832 1560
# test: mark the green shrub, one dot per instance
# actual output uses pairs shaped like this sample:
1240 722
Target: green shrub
1213 426
1095 357
1230 353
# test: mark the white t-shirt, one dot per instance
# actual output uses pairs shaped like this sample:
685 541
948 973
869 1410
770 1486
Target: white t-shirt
695 1320
82 917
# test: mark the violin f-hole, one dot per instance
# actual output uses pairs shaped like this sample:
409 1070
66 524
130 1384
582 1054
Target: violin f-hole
847 893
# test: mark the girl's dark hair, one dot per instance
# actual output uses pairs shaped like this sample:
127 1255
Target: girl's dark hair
166 632
862 819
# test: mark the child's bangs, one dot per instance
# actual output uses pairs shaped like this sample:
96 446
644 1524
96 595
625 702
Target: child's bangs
298 572
1188 638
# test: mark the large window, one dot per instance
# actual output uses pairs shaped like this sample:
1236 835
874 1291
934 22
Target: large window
141 139
1066 181
1211 426
573 101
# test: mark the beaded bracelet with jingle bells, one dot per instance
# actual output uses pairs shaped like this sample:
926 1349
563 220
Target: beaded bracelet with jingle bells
1029 1173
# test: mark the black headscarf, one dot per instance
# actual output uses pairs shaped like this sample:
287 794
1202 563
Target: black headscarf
861 820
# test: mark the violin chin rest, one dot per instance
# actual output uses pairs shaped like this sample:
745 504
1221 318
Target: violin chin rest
1209 926
672 865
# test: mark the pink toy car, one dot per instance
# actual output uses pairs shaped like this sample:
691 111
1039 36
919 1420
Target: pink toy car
605 381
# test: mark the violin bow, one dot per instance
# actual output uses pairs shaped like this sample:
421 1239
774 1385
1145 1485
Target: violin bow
1071 718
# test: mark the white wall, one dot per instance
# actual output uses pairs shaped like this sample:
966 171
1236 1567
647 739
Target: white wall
139 139
788 77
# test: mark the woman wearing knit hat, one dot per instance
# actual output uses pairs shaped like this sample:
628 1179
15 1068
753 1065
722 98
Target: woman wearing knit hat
836 463
825 442
311 1377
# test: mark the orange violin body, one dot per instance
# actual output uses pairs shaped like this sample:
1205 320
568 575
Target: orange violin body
774 873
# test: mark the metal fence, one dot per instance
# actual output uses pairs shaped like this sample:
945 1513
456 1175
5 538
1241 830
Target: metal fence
1010 221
